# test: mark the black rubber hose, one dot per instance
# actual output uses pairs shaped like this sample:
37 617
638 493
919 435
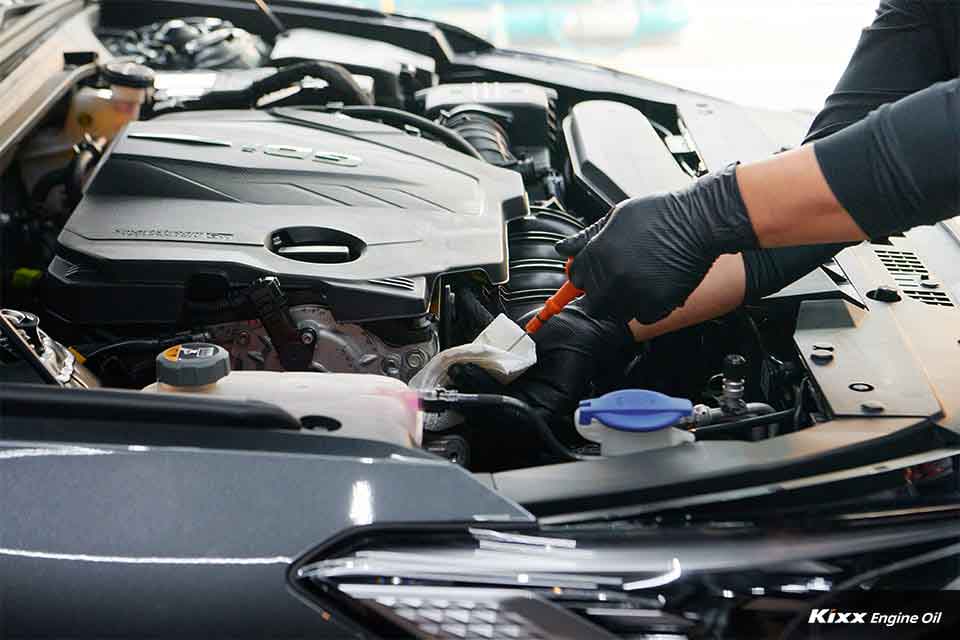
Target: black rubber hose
471 316
142 344
335 75
126 346
41 190
536 269
728 428
484 134
451 399
546 433
81 166
390 115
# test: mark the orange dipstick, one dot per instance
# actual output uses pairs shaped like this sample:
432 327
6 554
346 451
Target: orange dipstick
555 303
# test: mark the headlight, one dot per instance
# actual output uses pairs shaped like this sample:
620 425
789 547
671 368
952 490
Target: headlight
488 584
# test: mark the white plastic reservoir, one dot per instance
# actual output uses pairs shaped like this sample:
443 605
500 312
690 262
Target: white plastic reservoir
366 406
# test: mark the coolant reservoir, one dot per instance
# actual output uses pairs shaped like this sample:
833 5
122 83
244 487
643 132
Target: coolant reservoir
104 112
354 405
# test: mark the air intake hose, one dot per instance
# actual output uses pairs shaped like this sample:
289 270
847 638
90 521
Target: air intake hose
339 79
481 127
536 269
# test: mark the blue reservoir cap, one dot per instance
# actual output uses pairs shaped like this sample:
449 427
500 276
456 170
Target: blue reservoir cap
635 410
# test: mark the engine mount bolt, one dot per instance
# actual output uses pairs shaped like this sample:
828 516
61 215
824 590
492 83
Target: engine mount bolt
873 406
416 359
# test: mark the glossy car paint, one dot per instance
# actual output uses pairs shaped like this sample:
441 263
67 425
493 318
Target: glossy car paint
135 540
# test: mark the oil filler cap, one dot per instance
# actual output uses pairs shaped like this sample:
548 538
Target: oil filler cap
634 410
192 364
128 74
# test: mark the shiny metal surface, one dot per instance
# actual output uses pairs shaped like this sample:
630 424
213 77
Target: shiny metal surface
190 542
59 362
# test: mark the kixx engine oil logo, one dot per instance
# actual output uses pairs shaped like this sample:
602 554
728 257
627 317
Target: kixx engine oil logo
834 616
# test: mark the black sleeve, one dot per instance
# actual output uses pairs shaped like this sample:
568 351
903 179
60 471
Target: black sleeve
910 46
900 166
769 270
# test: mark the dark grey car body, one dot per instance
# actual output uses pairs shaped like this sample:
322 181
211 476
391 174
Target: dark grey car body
176 541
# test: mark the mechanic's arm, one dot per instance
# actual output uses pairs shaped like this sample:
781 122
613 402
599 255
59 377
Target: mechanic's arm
788 201
778 193
895 169
910 45
722 291
810 210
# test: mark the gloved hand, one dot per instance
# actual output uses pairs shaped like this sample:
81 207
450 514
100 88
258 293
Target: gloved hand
645 257
573 349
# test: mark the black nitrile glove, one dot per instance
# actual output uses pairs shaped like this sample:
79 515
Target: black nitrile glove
644 258
573 350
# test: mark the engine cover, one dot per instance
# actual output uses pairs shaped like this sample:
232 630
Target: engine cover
353 215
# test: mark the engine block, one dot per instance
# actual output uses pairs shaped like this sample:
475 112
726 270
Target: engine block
338 347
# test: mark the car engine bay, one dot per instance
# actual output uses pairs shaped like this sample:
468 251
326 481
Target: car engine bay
327 204
242 250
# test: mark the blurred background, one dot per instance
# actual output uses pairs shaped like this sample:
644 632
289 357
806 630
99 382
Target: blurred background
784 54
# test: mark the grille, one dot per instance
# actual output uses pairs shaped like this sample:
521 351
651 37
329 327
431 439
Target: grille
937 298
396 282
910 273
904 266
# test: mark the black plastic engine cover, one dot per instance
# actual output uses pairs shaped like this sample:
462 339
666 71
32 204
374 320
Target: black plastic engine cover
362 216
617 154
